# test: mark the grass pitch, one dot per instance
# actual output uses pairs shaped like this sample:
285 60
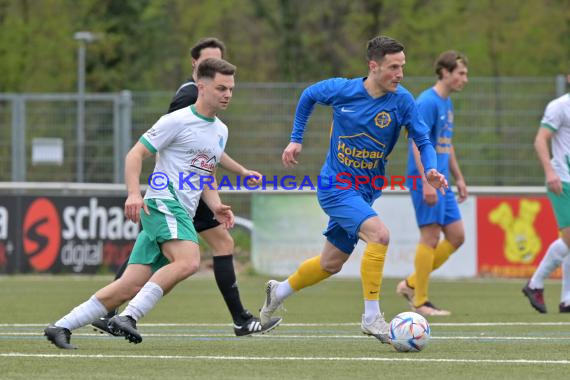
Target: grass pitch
493 333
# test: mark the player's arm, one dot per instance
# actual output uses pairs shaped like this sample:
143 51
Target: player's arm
323 92
458 175
133 168
541 146
222 212
235 167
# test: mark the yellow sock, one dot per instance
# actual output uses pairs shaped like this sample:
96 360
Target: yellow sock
371 269
309 273
442 252
424 264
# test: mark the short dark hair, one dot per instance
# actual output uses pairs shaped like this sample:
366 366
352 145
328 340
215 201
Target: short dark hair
204 43
379 46
448 60
209 67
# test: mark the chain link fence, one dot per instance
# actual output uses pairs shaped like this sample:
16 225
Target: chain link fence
496 120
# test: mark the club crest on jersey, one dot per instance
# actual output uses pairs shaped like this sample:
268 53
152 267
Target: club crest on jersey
383 119
221 141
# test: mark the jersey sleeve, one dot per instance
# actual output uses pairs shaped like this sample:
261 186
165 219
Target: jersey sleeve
224 138
160 135
324 93
428 113
552 118
186 95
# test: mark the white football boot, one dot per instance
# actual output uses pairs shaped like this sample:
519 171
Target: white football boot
378 328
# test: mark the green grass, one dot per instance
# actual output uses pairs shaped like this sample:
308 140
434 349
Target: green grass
202 345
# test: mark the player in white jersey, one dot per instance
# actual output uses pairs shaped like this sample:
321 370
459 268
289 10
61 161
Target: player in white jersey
555 128
191 142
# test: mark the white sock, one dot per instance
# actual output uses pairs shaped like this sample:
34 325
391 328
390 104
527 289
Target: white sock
565 294
83 314
553 258
284 290
144 301
371 310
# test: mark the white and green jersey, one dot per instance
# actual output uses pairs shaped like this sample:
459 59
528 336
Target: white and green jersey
557 119
190 146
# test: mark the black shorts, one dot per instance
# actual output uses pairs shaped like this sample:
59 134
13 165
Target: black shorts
204 218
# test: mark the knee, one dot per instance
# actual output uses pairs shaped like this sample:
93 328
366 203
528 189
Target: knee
379 236
223 244
457 240
187 268
332 267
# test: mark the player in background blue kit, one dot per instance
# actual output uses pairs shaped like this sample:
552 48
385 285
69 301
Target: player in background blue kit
368 114
436 213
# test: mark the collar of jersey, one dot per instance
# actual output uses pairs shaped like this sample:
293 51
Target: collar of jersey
210 119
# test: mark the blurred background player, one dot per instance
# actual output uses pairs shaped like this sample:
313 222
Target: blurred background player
166 250
217 237
555 129
436 213
368 114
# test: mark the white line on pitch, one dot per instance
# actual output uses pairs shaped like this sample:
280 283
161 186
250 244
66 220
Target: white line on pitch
447 324
289 336
413 359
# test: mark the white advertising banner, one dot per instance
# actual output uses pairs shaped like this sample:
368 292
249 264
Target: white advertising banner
288 230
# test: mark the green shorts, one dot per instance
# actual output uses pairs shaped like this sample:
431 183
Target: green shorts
168 220
561 205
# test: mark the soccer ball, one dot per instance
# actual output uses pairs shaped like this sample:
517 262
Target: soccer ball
409 332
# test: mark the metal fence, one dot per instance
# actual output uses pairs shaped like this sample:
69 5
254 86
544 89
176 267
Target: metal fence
496 120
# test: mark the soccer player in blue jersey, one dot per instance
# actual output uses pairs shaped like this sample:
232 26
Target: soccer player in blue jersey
436 213
368 114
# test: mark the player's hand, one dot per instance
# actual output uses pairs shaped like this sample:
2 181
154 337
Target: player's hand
224 215
430 195
437 180
289 156
133 206
254 177
461 190
554 184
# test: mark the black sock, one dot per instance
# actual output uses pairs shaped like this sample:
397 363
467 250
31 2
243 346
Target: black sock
226 280
122 269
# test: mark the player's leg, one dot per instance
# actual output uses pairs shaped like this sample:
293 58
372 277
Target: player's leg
429 219
556 252
454 234
376 235
107 298
564 306
423 264
336 251
184 260
102 324
310 272
171 252
453 231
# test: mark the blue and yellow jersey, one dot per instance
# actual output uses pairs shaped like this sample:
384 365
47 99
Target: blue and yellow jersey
364 129
437 113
